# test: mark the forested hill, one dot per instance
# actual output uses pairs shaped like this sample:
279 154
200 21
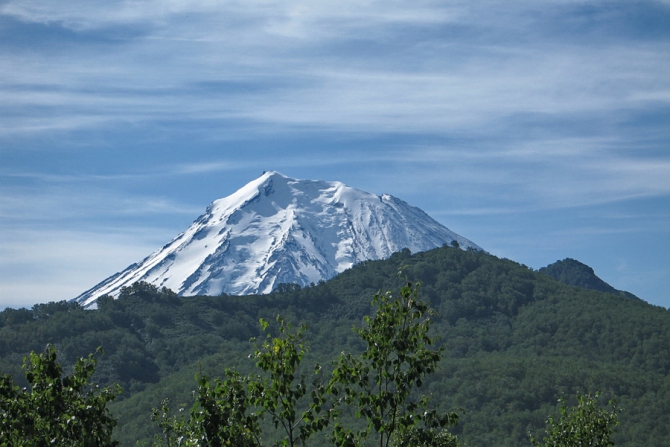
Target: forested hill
514 341
575 273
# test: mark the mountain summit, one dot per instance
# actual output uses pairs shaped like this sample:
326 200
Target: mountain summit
277 229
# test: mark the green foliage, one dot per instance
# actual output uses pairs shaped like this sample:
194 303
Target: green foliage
585 425
222 414
220 417
420 437
283 393
397 358
286 288
55 410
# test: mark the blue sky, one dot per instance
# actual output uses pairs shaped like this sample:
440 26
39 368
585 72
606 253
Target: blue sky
539 130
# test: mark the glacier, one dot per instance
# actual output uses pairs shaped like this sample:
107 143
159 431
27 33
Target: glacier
278 229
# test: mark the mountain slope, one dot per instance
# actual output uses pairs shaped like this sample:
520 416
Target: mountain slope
281 230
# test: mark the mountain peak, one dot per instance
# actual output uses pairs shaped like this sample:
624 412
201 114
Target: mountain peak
277 229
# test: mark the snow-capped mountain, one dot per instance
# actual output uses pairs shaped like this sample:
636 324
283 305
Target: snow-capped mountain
276 230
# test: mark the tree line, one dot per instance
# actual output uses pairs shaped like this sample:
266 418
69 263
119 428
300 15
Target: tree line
285 402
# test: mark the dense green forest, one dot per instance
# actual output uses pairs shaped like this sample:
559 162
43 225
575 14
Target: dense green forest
514 341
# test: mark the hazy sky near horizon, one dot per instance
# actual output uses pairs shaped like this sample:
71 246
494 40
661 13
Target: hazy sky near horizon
538 130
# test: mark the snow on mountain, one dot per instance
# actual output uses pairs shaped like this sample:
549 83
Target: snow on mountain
276 230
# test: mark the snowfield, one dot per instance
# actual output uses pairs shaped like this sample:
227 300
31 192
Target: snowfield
277 229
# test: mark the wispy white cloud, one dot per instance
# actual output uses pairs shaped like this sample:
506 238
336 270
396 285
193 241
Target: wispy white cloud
40 266
205 167
72 202
536 174
456 84
287 18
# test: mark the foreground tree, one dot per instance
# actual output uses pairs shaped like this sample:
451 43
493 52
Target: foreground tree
380 383
228 412
294 406
584 425
56 410
418 437
219 417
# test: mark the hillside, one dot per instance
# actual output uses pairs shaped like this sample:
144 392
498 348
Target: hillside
514 341
575 273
